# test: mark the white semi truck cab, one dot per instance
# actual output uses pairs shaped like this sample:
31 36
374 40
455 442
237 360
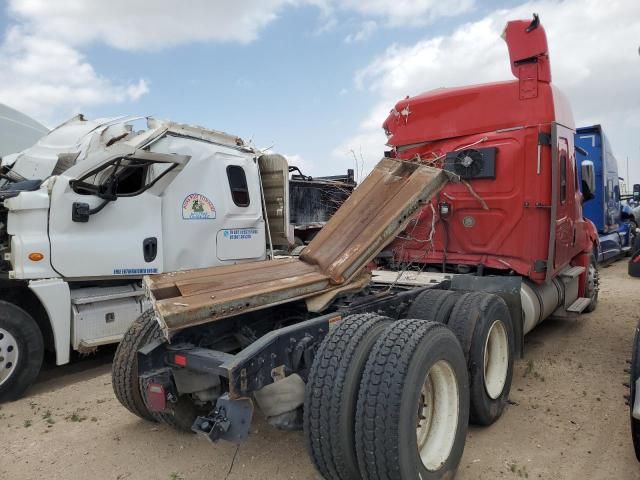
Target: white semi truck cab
95 205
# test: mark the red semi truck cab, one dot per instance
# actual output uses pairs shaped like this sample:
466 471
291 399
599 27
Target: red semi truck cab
518 206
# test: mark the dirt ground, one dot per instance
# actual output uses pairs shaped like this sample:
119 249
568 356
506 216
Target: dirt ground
567 419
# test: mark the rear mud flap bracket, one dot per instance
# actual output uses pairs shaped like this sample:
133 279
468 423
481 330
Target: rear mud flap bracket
230 420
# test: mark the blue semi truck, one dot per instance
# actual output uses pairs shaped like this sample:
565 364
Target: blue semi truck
615 222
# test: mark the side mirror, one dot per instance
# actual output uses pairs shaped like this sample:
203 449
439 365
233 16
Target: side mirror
588 177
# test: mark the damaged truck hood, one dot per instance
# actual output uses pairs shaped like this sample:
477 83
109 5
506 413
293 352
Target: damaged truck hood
90 141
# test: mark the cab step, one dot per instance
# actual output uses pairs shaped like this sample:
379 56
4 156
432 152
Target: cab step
579 305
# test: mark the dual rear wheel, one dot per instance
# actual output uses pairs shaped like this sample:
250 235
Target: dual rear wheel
374 384
420 379
483 325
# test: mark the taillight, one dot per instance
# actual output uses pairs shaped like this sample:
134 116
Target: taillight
636 259
180 360
156 397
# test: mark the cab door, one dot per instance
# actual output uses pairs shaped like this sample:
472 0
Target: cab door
564 191
122 233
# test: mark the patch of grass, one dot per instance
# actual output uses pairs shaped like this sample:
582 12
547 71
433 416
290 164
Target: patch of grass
529 369
27 423
76 417
520 471
175 476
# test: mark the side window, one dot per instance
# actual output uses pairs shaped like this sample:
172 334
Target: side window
129 175
238 185
121 177
563 176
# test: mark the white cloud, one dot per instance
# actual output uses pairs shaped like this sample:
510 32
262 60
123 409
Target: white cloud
366 30
139 25
50 80
408 12
594 60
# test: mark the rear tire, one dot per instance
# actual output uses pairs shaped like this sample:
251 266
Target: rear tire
433 305
413 405
332 392
483 324
128 387
21 351
124 371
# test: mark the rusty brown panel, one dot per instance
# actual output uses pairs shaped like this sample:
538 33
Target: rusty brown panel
345 212
355 214
375 213
271 271
161 281
407 207
180 312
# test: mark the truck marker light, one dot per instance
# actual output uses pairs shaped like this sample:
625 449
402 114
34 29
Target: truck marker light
180 360
36 256
156 397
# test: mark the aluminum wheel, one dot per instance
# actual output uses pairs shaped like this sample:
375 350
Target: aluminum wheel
438 415
496 359
8 355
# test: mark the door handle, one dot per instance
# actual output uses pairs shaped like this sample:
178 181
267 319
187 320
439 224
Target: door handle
150 249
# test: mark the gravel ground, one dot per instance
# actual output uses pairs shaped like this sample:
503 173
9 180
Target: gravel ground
567 419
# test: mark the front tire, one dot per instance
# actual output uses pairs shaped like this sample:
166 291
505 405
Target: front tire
483 324
413 405
21 351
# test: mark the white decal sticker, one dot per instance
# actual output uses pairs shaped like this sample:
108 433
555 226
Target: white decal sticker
198 207
240 233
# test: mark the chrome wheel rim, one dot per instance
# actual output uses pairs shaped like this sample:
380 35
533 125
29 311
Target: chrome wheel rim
438 415
496 359
8 355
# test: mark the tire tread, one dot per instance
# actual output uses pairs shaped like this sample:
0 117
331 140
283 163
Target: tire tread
378 409
125 364
324 393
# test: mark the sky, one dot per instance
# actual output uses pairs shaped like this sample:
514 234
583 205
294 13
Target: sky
311 79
